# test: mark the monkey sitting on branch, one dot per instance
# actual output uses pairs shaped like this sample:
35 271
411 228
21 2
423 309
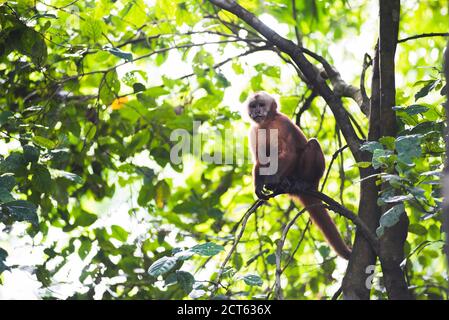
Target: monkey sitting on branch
297 166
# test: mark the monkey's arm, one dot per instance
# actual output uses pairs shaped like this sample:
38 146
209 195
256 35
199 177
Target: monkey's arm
257 178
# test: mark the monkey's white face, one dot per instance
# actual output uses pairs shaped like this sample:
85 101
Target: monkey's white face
259 106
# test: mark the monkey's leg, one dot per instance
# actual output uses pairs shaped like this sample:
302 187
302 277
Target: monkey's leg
286 164
311 164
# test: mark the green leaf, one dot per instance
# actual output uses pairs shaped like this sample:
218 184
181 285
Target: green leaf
5 117
30 153
109 87
21 210
161 266
55 173
186 280
7 181
324 251
170 279
215 213
237 67
138 87
119 233
155 92
3 255
381 157
30 43
5 196
84 248
162 193
417 229
92 28
272 71
85 219
362 164
207 249
388 142
413 109
424 91
43 142
41 179
253 280
390 218
371 146
184 255
289 104
408 147
14 163
271 259
119 53
237 261
401 198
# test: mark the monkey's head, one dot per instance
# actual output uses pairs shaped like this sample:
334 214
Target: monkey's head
261 106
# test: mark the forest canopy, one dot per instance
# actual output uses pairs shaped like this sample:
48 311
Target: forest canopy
98 200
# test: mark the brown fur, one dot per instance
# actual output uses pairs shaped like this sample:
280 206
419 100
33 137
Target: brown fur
298 158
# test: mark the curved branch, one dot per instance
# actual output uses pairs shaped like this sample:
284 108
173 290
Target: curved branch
308 69
341 88
425 35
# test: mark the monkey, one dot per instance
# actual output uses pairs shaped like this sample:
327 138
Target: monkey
297 158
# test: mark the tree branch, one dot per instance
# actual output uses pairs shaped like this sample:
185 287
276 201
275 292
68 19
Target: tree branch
393 239
425 35
299 187
244 220
296 53
341 88
280 246
295 17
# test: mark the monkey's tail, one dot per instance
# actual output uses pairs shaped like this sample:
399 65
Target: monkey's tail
321 218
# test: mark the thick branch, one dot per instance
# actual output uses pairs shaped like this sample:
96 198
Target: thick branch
341 88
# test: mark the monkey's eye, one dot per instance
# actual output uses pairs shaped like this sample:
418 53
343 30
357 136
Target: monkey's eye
262 104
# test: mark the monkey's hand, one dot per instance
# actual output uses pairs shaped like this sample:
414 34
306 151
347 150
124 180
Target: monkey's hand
272 182
260 192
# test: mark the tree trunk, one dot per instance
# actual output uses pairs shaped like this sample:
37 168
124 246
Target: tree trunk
446 163
393 239
355 286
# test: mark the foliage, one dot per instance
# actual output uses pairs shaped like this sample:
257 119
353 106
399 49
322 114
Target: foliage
90 94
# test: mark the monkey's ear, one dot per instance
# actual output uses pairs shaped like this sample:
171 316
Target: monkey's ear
274 105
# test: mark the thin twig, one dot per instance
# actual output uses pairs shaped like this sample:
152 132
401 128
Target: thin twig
425 35
280 245
245 218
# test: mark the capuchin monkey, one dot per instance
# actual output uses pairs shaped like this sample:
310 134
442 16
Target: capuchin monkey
299 159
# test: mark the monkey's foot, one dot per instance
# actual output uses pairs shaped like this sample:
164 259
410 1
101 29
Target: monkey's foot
301 186
287 185
290 185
